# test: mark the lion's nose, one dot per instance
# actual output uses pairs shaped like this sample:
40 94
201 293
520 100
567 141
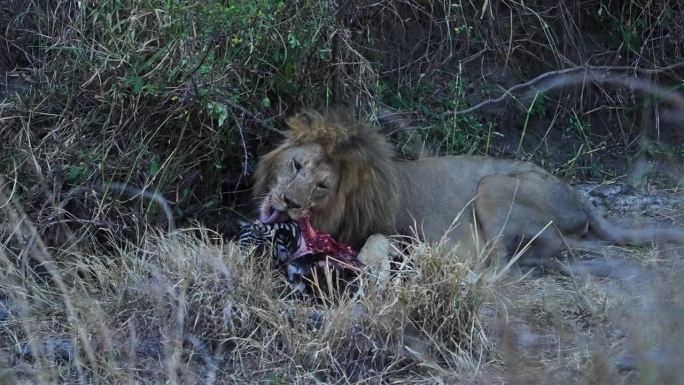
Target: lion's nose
291 204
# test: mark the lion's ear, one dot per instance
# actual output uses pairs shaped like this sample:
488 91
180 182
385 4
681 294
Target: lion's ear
301 123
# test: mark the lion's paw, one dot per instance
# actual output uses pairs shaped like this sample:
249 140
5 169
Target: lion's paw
375 255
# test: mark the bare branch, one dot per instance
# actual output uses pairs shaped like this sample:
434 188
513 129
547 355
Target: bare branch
253 117
579 75
131 192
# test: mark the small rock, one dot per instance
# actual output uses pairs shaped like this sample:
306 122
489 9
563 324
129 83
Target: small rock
149 347
607 268
5 312
57 349
316 320
653 357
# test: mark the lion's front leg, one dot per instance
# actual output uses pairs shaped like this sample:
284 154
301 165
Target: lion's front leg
375 255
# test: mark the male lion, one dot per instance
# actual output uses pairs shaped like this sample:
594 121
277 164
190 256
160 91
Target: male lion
343 174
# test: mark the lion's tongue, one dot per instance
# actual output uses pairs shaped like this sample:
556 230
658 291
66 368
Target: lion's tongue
271 216
266 217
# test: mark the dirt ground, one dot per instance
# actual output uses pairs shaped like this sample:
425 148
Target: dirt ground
618 321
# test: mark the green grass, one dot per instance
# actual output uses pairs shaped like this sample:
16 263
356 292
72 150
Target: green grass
134 93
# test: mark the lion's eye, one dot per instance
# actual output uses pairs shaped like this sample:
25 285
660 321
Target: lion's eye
322 186
296 165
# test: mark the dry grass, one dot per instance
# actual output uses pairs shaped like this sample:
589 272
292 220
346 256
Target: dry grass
177 99
189 308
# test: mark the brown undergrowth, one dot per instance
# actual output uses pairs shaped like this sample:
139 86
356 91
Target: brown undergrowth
189 308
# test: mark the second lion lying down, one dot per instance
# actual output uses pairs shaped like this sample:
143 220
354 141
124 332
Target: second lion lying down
343 174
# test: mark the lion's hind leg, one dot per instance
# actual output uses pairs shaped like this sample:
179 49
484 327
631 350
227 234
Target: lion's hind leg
526 216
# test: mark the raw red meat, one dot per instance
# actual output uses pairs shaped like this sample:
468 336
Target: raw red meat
340 254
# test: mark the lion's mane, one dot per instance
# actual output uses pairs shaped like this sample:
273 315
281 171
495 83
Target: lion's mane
366 199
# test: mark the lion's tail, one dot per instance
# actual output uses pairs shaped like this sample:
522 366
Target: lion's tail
614 234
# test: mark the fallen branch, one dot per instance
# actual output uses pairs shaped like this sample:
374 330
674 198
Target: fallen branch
252 116
578 75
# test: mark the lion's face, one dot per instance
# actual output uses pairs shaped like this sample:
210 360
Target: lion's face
303 180
335 169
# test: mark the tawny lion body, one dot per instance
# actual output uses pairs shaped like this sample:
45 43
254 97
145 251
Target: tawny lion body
345 176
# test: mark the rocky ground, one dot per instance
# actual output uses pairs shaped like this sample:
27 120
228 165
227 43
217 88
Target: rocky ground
618 321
